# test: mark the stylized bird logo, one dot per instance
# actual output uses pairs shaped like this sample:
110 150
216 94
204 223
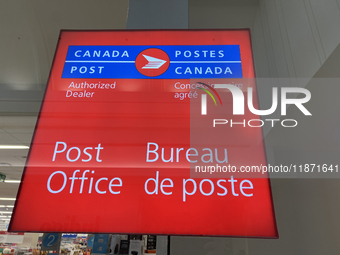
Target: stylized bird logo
153 63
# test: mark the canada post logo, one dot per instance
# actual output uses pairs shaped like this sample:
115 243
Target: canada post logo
155 62
152 62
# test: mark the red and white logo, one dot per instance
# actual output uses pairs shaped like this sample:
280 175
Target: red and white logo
152 62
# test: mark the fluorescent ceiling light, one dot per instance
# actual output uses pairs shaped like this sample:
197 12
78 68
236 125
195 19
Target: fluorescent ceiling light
13 147
12 181
6 212
9 206
3 216
7 198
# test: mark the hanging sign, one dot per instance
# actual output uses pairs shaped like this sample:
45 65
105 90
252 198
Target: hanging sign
127 130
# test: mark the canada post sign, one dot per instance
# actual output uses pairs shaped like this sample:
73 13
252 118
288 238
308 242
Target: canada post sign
171 62
114 145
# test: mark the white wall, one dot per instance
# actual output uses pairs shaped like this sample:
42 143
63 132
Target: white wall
291 39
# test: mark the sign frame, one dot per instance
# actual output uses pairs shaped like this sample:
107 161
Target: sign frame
51 82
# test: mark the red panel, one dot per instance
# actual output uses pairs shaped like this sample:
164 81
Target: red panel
115 125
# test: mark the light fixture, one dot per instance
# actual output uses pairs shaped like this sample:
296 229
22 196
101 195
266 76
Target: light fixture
12 181
6 212
3 216
5 164
18 147
7 198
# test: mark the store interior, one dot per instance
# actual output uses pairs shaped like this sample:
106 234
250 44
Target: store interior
291 39
76 244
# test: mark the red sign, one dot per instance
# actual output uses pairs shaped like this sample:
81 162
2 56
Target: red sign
112 149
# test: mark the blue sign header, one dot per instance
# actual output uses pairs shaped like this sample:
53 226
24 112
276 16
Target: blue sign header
163 62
